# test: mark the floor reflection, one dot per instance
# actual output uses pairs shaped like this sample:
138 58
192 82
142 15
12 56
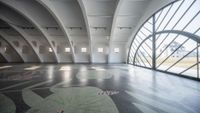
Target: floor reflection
48 88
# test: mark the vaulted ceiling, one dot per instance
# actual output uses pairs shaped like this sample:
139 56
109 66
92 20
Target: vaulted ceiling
42 30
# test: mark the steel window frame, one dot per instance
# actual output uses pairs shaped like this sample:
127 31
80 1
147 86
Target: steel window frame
189 35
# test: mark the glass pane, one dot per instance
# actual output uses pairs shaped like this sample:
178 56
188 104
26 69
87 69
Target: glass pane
169 46
169 16
198 32
187 63
140 60
130 60
162 16
131 55
191 72
157 15
137 41
141 35
177 58
179 14
194 25
163 40
148 26
199 60
161 24
145 54
189 16
145 31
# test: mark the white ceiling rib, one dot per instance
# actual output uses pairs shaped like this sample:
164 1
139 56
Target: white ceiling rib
83 9
47 4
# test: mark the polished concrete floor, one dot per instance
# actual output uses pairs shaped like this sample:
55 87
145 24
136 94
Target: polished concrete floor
61 88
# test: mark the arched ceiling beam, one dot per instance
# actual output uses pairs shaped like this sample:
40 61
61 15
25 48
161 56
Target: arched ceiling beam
3 36
24 36
24 13
83 9
50 8
114 22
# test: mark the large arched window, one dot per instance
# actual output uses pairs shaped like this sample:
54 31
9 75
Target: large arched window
169 41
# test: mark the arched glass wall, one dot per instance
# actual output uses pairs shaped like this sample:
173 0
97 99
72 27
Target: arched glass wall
169 41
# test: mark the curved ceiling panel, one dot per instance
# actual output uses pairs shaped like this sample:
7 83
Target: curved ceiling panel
128 15
18 6
7 39
98 15
17 55
24 36
69 16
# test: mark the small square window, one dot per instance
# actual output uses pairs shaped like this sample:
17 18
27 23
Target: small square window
83 50
116 50
50 50
100 50
67 49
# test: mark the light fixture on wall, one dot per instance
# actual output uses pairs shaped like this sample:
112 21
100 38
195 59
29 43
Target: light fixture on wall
73 28
99 28
47 28
28 27
124 27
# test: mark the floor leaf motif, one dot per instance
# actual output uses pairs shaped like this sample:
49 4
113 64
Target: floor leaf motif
75 100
